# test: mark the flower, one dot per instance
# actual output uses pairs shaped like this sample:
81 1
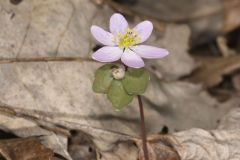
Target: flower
123 42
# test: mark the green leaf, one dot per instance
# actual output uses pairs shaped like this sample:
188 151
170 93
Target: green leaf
136 81
118 96
103 78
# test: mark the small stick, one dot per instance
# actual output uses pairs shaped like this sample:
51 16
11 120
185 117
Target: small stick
44 59
143 132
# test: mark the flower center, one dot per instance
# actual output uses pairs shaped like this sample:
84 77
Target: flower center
128 39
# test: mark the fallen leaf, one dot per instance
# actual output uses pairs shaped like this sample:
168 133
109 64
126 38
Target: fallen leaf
207 19
24 148
236 81
212 69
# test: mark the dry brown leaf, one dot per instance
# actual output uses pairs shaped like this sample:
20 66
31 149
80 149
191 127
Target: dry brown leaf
23 127
231 15
220 144
212 69
23 149
236 82
207 19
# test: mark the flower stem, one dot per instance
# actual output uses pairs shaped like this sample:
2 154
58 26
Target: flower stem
143 132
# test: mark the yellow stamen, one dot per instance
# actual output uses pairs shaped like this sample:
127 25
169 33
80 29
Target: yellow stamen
127 39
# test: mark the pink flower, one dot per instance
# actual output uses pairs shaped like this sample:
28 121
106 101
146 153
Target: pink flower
123 42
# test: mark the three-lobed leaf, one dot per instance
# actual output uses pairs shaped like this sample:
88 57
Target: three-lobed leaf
103 78
120 92
136 81
118 96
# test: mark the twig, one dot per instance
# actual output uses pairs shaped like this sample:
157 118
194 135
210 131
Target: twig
43 59
143 132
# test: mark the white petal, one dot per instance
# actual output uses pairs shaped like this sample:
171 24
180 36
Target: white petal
146 51
102 36
131 59
118 24
143 30
107 54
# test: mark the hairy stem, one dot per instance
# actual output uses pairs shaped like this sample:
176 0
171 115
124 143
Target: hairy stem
143 132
